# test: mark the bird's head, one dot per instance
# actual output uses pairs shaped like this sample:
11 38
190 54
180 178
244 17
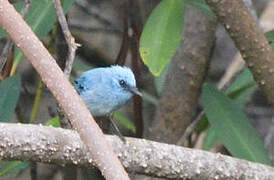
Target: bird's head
123 81
105 90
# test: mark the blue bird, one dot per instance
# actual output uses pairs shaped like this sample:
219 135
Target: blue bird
105 90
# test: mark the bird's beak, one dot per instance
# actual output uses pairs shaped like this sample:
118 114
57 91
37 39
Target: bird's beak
135 91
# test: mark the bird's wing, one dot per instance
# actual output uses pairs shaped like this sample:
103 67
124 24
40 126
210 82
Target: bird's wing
88 81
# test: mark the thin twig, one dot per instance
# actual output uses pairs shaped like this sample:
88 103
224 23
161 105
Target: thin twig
95 29
4 54
190 128
121 58
72 46
95 14
234 68
26 7
36 103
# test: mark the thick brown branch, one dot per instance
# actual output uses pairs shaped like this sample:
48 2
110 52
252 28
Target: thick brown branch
60 146
63 91
250 41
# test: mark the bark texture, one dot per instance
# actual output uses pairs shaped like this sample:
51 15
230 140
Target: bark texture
60 146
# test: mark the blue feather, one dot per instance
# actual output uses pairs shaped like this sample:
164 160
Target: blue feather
104 90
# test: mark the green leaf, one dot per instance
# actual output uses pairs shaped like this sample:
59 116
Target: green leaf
270 37
123 120
272 46
242 89
9 90
54 122
245 79
202 125
162 34
240 92
8 167
41 18
233 127
200 4
210 139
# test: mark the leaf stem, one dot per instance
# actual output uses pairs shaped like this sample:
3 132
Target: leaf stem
36 101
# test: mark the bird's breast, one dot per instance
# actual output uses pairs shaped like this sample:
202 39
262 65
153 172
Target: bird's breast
101 102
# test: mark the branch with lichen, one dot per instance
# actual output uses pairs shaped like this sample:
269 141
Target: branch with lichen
61 146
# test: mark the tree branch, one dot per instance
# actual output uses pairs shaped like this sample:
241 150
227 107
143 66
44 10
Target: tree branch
250 41
72 46
4 53
61 88
60 146
96 14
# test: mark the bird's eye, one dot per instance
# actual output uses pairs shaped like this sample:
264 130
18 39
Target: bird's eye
122 83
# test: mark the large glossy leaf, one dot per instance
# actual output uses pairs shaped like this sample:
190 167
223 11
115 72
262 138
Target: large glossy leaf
272 46
9 94
162 34
210 139
41 18
232 126
8 167
245 79
270 37
200 4
240 91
